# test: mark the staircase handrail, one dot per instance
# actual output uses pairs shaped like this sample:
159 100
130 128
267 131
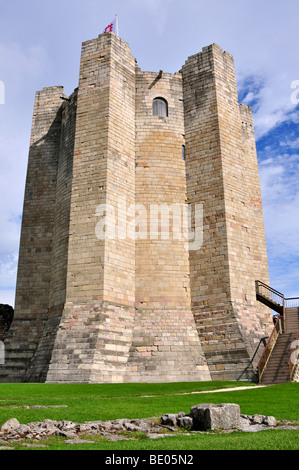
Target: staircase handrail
287 299
269 348
279 325
262 340
277 294
292 365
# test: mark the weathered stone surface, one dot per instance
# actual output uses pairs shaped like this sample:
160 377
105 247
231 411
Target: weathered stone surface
10 425
169 419
185 422
257 419
22 430
244 420
209 416
37 446
269 421
79 441
228 318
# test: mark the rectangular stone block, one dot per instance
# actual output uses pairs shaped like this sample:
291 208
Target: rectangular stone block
208 416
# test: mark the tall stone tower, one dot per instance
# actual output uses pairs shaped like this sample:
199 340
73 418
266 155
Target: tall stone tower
113 284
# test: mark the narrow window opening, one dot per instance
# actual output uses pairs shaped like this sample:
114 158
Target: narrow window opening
183 152
160 107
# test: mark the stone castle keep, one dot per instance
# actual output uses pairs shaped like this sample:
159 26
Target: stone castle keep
117 309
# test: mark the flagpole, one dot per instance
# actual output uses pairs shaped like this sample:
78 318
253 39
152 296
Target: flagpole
116 24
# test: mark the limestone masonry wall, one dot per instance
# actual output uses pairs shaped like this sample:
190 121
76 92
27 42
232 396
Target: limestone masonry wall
108 289
222 174
162 265
103 173
34 269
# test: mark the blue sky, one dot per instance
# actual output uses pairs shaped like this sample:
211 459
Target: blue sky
40 45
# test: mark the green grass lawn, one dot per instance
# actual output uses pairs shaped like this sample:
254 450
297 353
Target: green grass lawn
86 402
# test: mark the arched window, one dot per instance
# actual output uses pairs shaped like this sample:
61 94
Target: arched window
160 107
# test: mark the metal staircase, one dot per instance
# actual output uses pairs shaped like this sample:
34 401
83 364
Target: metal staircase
279 362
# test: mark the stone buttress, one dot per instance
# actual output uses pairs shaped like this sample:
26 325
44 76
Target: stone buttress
222 175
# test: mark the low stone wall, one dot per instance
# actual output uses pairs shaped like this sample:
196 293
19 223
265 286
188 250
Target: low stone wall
202 418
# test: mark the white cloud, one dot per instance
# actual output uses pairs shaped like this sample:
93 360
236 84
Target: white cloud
8 270
293 144
268 161
269 96
280 193
248 98
7 296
